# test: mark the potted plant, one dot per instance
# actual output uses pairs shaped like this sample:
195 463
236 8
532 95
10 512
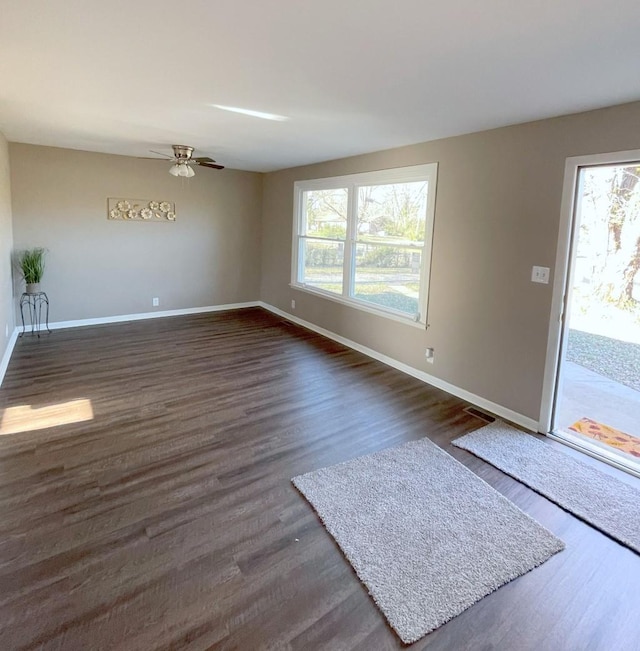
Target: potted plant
31 265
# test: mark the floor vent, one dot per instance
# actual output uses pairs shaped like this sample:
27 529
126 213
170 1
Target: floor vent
479 414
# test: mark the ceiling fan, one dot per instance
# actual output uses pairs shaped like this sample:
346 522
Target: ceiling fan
183 161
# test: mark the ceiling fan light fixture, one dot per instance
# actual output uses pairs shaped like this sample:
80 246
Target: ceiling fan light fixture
183 163
181 168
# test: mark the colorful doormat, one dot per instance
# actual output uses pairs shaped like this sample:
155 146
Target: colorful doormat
608 435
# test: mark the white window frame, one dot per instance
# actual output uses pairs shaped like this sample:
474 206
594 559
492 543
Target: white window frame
427 172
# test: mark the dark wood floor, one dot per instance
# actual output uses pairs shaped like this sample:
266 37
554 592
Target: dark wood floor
168 521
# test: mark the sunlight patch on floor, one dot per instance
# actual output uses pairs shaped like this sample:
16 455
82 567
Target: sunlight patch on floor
24 418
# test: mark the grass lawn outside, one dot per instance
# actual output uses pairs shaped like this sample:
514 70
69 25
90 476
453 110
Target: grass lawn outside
393 288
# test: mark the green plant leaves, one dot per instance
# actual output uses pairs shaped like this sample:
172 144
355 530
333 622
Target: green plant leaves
31 264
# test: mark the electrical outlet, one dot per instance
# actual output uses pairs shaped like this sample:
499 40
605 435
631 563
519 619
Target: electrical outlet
293 304
155 301
540 275
429 353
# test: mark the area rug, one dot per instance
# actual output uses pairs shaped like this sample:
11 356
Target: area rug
608 504
426 536
608 435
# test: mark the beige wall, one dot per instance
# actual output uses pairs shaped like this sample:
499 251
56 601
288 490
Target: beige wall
96 268
497 214
6 245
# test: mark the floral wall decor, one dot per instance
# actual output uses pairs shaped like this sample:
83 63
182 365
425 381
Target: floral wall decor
141 210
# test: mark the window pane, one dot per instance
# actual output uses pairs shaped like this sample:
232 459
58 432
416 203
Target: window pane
322 264
393 213
388 276
325 213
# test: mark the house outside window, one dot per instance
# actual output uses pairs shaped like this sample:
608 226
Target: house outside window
365 239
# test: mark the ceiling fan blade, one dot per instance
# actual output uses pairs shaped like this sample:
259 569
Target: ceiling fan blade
203 159
211 165
161 154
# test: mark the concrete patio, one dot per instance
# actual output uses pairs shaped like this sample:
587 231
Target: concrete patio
584 393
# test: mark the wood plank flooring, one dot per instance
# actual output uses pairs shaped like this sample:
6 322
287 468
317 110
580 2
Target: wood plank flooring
164 517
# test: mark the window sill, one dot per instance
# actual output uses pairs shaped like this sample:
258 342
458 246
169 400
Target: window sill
360 305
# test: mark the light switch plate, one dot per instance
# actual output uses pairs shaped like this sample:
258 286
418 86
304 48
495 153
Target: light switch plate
540 275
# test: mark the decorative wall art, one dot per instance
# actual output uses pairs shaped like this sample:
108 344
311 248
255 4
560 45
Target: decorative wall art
141 210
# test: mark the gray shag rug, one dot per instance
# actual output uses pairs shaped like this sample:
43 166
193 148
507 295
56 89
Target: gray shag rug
426 536
608 504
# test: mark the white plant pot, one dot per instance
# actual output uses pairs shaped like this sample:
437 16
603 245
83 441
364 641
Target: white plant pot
32 288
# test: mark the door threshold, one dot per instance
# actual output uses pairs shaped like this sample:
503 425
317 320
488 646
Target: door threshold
597 452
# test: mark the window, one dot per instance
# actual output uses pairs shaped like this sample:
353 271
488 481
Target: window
365 239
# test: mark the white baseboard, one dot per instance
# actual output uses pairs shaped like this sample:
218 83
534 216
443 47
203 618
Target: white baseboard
4 363
478 401
150 315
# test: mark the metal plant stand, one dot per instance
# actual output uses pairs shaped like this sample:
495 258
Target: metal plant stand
35 304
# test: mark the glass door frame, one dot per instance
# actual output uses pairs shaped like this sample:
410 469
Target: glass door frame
562 283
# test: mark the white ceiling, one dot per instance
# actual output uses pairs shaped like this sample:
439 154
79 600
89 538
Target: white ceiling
353 76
